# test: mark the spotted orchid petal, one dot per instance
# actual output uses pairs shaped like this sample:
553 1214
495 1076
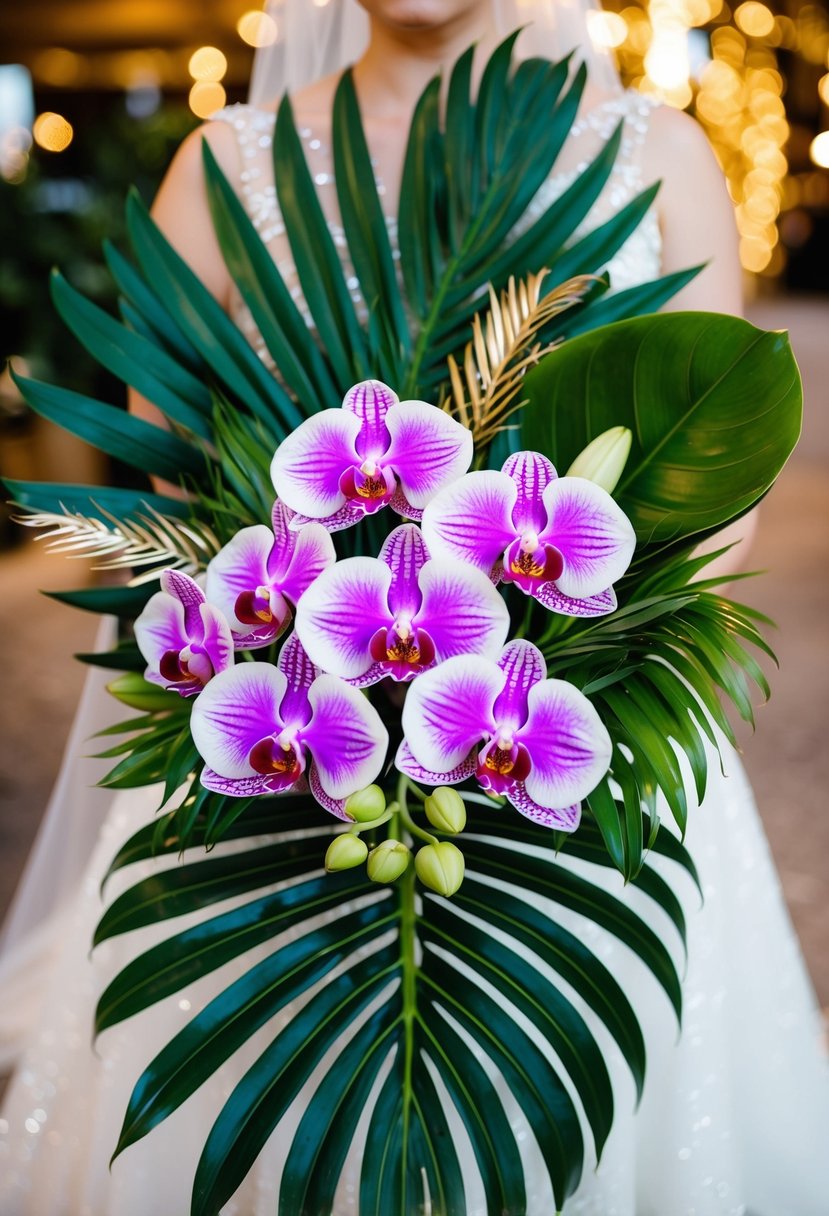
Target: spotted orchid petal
532 473
568 742
341 612
428 449
593 605
370 401
450 709
523 666
406 763
591 532
404 552
471 519
309 463
336 806
345 735
185 640
559 819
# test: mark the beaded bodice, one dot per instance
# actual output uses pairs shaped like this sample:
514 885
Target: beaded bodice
636 262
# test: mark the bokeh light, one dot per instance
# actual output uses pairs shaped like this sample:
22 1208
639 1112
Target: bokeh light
207 64
755 19
52 132
819 150
206 97
257 28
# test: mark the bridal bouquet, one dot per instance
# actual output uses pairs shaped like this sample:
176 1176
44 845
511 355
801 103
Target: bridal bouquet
428 621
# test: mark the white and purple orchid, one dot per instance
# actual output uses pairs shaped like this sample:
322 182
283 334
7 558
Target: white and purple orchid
255 725
185 640
343 464
255 575
399 614
539 742
562 540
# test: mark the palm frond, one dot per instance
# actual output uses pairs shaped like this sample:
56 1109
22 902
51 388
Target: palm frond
148 539
503 347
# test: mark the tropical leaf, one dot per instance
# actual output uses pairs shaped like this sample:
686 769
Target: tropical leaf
713 403
397 986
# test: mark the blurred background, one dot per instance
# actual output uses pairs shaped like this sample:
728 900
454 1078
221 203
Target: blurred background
95 95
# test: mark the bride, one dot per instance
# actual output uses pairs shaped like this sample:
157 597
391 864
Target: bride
735 1115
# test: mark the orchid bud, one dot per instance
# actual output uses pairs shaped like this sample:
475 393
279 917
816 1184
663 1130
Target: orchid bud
445 809
440 867
133 690
603 460
345 852
366 804
388 861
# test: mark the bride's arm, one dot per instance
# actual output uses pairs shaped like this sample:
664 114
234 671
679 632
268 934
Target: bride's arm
182 213
696 219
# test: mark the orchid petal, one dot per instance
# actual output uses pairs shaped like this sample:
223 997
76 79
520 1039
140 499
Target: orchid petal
532 473
448 710
236 787
300 672
428 449
309 462
404 552
549 595
523 666
462 612
406 763
336 806
400 503
346 736
471 520
375 673
283 541
237 709
340 613
217 640
592 533
189 593
567 741
345 517
313 552
560 819
160 627
241 565
370 401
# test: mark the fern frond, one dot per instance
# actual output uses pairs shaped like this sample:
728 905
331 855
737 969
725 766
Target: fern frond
150 539
503 347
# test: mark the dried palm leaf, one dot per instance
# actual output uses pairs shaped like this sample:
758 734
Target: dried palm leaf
502 349
150 539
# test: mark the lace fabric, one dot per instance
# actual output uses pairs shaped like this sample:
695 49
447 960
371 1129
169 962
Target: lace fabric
638 260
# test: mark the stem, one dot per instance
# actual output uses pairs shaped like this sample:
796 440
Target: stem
408 921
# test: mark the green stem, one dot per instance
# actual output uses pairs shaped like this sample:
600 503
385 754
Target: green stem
408 922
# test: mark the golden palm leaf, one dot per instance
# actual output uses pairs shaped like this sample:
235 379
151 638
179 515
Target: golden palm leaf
502 349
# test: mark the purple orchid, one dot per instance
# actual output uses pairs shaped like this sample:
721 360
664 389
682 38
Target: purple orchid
255 724
343 464
398 615
561 539
251 577
185 640
539 742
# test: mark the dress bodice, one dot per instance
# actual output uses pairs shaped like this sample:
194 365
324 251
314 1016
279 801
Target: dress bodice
636 262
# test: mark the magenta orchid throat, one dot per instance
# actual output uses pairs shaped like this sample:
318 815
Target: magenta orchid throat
426 612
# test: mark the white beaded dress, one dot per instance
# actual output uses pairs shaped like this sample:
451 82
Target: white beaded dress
735 1115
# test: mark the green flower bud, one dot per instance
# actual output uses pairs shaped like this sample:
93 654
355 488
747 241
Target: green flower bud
345 852
133 690
440 867
388 861
366 804
603 460
445 809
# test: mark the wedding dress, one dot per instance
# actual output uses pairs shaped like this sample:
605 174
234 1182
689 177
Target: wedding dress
735 1116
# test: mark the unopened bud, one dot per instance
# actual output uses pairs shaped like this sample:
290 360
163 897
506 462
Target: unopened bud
133 690
603 461
388 861
345 852
445 809
440 867
366 804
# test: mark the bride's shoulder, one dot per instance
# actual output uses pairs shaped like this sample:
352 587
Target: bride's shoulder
675 141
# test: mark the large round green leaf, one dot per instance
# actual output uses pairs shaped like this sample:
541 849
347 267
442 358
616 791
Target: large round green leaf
713 403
